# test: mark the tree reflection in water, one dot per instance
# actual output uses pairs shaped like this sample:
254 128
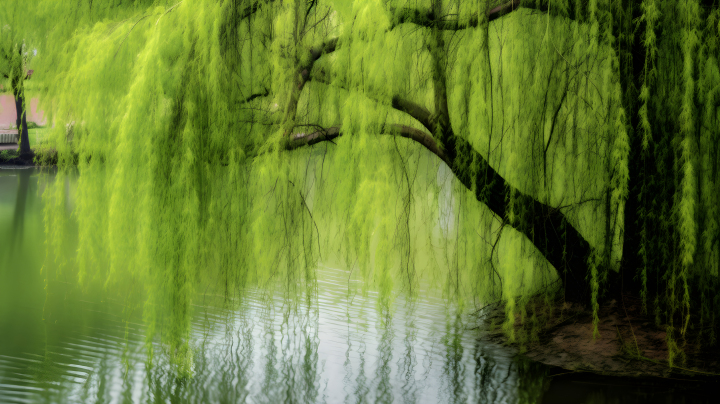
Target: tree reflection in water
322 339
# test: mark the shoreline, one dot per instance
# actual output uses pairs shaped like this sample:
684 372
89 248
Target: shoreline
10 156
629 344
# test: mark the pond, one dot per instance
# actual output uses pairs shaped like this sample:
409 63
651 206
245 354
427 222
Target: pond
329 341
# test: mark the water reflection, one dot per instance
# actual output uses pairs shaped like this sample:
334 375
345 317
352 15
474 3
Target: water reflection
328 340
18 225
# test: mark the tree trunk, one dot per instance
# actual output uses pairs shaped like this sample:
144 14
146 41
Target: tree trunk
21 121
546 227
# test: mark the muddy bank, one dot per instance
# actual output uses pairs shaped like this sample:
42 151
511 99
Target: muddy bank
629 342
13 158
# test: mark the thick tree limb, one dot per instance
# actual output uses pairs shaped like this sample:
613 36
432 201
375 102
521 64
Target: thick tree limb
251 9
302 76
545 226
256 95
315 53
322 135
429 19
417 111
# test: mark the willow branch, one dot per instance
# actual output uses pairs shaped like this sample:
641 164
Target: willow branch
299 140
128 34
315 53
547 227
302 76
166 12
415 110
251 9
256 95
317 229
426 18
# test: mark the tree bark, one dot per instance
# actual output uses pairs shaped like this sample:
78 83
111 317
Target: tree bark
433 18
17 82
21 120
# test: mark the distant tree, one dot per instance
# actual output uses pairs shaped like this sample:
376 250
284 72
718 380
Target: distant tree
14 57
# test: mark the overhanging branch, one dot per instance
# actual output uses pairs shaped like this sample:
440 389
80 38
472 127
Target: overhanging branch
426 18
299 140
251 9
256 95
328 46
545 226
415 110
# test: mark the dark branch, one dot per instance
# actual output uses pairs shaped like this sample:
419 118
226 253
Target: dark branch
426 18
308 139
302 75
302 197
257 95
315 53
417 111
251 9
327 47
128 34
318 22
554 120
545 226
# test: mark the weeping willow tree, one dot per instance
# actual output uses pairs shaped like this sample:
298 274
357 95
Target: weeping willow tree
222 139
15 54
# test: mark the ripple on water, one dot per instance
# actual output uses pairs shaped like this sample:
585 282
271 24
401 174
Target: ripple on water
333 343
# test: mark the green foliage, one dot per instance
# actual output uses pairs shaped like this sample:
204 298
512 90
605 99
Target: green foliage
594 262
181 119
6 155
649 16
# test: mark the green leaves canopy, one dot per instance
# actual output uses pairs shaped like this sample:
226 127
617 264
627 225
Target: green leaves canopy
229 136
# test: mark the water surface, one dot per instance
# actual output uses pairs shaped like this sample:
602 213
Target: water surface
330 341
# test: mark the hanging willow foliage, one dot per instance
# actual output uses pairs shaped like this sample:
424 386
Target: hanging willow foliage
532 141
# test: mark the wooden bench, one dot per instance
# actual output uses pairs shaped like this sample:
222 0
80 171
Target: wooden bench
8 136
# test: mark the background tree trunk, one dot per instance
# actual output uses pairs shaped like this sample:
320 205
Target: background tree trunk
21 121
17 79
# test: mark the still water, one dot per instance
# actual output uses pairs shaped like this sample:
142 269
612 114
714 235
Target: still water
329 342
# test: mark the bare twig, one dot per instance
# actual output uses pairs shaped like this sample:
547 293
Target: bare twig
302 197
128 33
167 11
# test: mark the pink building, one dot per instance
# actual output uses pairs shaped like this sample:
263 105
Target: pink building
8 114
